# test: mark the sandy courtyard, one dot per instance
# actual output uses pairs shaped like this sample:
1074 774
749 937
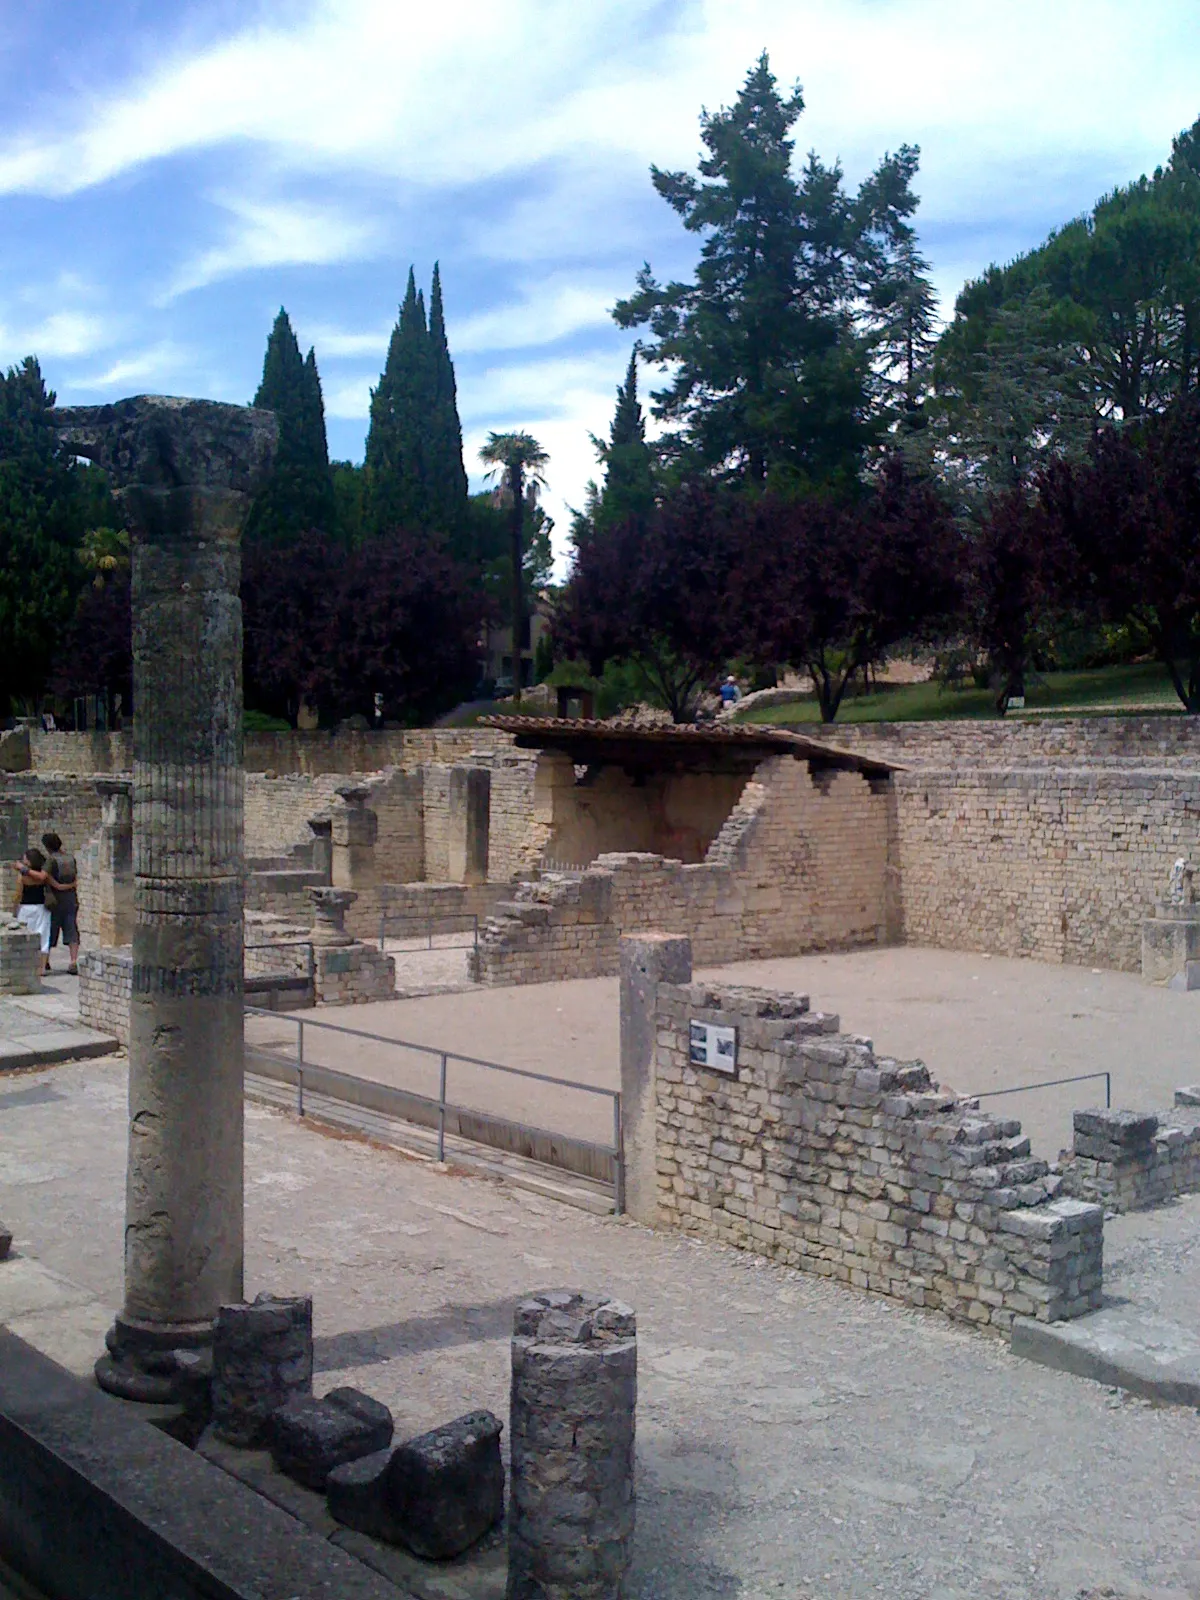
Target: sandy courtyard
980 1023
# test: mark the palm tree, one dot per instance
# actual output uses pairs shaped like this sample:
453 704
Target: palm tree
520 459
104 552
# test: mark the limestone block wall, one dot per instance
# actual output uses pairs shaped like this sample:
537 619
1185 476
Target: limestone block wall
675 814
1059 864
1131 1161
1159 741
278 807
409 905
353 974
106 991
801 864
823 1155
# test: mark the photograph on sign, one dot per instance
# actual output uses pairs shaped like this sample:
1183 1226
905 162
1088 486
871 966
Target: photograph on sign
713 1047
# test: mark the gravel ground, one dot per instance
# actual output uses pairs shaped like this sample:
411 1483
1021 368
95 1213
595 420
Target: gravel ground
794 1439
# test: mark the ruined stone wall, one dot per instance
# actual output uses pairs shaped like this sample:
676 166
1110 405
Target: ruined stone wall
278 807
801 864
1056 864
409 906
820 1154
312 754
517 830
398 800
1130 1161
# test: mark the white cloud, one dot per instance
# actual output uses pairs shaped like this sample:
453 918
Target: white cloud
63 333
267 233
543 312
463 91
157 361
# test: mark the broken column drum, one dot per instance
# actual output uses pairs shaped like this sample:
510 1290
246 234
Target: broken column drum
186 470
574 1397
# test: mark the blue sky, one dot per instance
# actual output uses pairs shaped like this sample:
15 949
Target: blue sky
170 173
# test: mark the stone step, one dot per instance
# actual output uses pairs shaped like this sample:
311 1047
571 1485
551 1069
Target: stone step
1123 1346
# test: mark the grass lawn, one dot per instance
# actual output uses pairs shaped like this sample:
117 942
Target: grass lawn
1145 685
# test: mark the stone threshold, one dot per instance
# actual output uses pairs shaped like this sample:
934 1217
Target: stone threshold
1122 1346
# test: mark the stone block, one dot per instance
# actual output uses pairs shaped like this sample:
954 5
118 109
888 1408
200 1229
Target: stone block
310 1437
445 1489
262 1359
6 1240
1127 1130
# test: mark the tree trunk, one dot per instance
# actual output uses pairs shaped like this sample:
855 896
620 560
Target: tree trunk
517 610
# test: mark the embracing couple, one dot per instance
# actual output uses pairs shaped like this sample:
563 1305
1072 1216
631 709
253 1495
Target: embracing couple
48 898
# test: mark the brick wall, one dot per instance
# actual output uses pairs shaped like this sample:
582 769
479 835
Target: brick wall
827 1157
1060 865
801 864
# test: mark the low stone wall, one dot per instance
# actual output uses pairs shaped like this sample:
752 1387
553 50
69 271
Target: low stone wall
1168 740
106 991
818 1153
801 864
410 907
353 975
1130 1160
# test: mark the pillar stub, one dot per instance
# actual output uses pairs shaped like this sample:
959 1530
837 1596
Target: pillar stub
329 913
574 1398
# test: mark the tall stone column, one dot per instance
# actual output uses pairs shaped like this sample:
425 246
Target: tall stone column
186 470
114 862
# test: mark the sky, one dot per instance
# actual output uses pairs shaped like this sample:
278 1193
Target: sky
173 172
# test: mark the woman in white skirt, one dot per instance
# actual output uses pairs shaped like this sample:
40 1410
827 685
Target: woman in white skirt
33 910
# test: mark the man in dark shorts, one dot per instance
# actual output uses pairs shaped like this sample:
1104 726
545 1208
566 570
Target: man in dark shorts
62 874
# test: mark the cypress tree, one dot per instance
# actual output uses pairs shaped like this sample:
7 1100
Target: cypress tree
447 475
298 497
398 438
628 460
628 463
47 505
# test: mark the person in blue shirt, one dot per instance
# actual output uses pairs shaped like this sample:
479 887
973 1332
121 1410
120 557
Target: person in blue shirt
730 693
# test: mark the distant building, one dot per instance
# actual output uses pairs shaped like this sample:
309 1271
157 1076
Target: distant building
496 663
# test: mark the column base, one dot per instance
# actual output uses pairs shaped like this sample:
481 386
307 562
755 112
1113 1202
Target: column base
157 1363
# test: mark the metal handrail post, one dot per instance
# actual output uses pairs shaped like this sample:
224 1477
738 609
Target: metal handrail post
299 1090
1108 1091
442 1111
618 1158
382 930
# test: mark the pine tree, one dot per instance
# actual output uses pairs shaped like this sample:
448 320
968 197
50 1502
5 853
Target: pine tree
769 379
900 297
447 477
398 438
298 497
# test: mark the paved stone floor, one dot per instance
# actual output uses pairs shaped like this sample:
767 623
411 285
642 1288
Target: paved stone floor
794 1439
46 1026
979 1022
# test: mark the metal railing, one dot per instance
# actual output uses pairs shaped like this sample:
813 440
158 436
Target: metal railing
431 923
1053 1083
584 1157
288 980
